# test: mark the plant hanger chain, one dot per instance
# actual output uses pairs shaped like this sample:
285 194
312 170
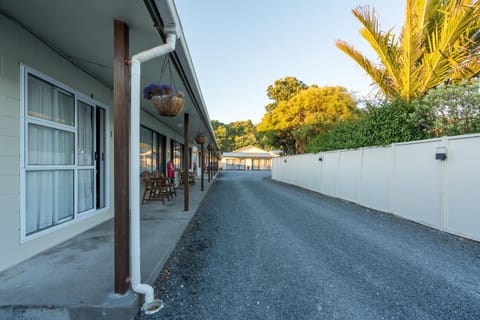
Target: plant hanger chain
167 66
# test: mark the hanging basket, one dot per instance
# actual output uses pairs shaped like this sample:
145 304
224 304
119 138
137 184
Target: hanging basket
201 139
168 105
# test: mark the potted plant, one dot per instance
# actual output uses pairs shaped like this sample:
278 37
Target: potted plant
163 99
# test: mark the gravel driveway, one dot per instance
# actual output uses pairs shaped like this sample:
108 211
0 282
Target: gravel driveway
258 249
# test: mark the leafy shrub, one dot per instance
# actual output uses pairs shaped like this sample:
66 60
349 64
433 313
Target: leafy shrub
449 110
381 123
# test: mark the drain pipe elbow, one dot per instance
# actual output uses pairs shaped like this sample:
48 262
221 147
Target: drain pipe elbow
151 305
158 51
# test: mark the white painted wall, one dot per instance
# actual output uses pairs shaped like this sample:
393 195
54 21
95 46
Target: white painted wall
18 46
403 179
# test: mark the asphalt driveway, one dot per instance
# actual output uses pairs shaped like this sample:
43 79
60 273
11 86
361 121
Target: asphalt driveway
258 249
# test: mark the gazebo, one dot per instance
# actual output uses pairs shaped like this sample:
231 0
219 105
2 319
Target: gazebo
248 158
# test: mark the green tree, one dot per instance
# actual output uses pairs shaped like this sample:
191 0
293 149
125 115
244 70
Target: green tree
449 110
295 120
439 42
283 90
235 135
221 133
243 133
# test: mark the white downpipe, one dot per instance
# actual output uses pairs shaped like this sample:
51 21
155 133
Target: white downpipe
136 63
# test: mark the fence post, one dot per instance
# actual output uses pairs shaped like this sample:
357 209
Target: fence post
443 189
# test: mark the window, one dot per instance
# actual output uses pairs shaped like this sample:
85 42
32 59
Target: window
235 164
63 154
152 151
177 154
261 164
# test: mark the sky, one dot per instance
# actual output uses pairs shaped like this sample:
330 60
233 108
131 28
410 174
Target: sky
240 47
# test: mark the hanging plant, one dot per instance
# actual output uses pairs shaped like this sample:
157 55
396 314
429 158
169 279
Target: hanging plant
163 96
163 99
201 137
157 90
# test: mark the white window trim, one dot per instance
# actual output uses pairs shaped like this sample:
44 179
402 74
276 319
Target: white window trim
77 217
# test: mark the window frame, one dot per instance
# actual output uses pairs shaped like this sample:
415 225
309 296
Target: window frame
25 120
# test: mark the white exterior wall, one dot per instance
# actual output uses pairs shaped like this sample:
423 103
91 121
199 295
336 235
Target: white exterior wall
403 179
18 46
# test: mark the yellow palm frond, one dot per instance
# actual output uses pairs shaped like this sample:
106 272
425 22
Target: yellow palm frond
445 45
379 75
383 43
440 40
411 47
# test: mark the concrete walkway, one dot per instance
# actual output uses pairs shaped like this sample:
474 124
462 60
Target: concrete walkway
74 280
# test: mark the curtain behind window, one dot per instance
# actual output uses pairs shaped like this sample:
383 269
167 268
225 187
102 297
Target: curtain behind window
49 199
50 103
49 192
85 155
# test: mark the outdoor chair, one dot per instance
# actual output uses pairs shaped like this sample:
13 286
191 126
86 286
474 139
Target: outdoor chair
191 177
169 186
154 190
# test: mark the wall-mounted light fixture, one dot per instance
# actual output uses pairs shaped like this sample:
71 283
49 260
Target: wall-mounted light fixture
441 153
320 158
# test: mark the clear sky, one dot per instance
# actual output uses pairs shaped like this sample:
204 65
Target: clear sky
240 47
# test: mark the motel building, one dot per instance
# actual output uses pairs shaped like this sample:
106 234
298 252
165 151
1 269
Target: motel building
72 75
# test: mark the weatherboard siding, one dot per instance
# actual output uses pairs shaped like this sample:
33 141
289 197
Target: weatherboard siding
19 46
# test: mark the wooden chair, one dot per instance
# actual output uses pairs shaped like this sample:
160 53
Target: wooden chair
191 177
154 189
147 184
169 186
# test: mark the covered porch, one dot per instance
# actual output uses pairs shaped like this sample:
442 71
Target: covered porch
69 227
74 280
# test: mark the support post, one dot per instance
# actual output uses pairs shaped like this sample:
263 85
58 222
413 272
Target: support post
121 111
186 162
209 162
201 166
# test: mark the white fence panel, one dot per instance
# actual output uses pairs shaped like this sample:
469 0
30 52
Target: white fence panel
416 192
462 186
304 170
375 183
275 169
316 161
329 173
288 167
349 171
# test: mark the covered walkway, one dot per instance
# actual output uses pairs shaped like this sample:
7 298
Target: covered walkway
74 280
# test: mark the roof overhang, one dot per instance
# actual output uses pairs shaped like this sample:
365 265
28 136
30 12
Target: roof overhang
248 155
82 32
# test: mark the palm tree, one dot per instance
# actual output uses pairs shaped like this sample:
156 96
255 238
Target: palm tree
439 42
